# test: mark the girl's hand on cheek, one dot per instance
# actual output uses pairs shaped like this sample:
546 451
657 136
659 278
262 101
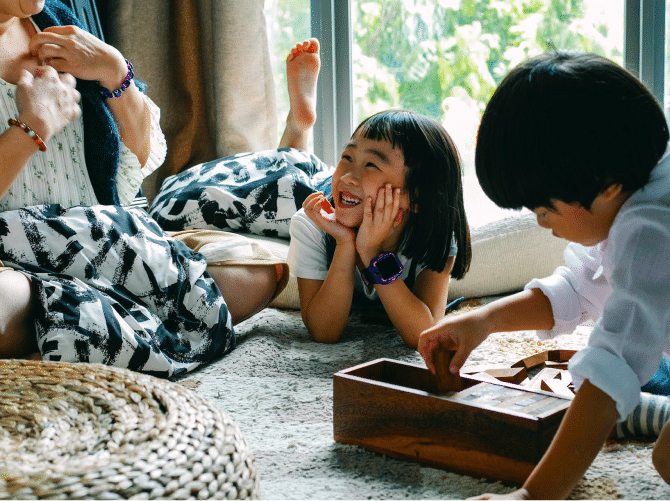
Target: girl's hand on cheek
379 223
319 210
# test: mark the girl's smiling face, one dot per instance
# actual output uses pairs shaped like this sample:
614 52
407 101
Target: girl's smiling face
366 166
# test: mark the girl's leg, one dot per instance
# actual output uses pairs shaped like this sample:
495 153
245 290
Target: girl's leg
17 338
246 289
302 72
661 453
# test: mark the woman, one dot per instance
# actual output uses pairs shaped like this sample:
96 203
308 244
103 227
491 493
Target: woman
86 279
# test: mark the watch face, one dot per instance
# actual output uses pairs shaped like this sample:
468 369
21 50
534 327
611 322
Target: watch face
388 266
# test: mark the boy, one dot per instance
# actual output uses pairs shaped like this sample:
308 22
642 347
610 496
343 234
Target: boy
582 143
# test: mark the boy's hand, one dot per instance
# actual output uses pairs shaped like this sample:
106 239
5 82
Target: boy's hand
316 207
462 333
518 494
379 223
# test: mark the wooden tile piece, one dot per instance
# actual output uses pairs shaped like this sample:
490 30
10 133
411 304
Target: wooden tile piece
560 355
546 373
484 376
556 365
532 361
557 386
512 375
474 369
446 381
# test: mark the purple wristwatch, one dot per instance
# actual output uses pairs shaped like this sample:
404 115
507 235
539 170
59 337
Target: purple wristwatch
383 269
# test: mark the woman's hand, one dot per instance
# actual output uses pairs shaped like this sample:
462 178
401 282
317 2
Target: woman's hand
314 205
462 333
47 101
70 49
381 225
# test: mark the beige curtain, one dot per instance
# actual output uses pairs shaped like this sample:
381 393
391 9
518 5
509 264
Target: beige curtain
207 65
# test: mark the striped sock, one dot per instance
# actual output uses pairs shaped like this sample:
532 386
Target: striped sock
647 419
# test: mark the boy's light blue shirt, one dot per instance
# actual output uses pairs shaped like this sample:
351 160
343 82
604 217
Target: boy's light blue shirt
623 284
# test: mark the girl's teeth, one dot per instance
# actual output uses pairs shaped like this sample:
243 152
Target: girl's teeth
349 200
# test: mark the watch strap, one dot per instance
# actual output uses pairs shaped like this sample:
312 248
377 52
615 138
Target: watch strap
368 277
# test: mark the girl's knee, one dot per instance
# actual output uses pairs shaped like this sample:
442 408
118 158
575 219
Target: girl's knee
246 289
660 456
17 337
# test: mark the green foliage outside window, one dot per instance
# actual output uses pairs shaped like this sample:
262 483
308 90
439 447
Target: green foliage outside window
424 51
417 53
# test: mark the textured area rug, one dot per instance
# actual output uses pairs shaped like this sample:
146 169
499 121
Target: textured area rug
277 386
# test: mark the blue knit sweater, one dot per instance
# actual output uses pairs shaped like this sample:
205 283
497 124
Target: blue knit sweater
101 135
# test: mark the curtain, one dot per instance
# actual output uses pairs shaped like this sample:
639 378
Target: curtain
207 66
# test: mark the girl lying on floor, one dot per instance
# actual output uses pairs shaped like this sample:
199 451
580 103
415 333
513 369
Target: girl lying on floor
392 230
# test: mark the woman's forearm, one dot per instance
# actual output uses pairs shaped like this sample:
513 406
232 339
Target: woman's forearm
131 115
16 148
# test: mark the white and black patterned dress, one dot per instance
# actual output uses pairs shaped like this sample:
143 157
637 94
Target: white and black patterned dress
251 192
108 284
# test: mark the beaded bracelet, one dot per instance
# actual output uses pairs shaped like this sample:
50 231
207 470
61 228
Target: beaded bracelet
33 135
126 83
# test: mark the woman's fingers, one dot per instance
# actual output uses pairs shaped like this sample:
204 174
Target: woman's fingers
67 79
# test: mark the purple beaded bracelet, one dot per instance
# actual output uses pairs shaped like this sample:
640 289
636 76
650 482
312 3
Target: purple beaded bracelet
126 83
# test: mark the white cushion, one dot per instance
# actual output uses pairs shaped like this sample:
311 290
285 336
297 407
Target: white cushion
506 255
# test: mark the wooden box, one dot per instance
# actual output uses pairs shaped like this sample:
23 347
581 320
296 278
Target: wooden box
488 429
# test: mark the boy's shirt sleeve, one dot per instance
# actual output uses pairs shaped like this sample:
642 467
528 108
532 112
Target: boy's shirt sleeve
307 250
627 343
576 291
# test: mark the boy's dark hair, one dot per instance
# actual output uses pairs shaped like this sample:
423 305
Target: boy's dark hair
565 126
436 210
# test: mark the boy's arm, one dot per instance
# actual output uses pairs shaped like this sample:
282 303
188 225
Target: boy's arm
579 439
412 312
325 305
527 310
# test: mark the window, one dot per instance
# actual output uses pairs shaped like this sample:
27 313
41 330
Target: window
288 22
444 58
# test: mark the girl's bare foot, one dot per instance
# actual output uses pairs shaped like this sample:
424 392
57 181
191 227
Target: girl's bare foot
302 72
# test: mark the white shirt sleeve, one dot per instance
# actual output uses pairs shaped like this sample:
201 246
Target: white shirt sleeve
307 250
130 174
576 291
627 343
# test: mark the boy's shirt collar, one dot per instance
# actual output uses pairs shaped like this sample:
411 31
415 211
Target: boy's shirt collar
657 189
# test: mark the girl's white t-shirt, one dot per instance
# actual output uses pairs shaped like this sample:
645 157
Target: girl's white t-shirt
307 256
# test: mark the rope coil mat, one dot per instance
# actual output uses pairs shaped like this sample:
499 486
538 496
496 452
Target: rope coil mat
73 431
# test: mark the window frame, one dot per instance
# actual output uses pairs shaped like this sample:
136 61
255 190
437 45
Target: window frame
644 56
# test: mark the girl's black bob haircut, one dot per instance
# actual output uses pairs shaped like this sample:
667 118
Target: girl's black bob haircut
434 186
565 126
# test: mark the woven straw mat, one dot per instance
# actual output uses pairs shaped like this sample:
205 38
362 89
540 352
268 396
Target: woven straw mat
70 431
